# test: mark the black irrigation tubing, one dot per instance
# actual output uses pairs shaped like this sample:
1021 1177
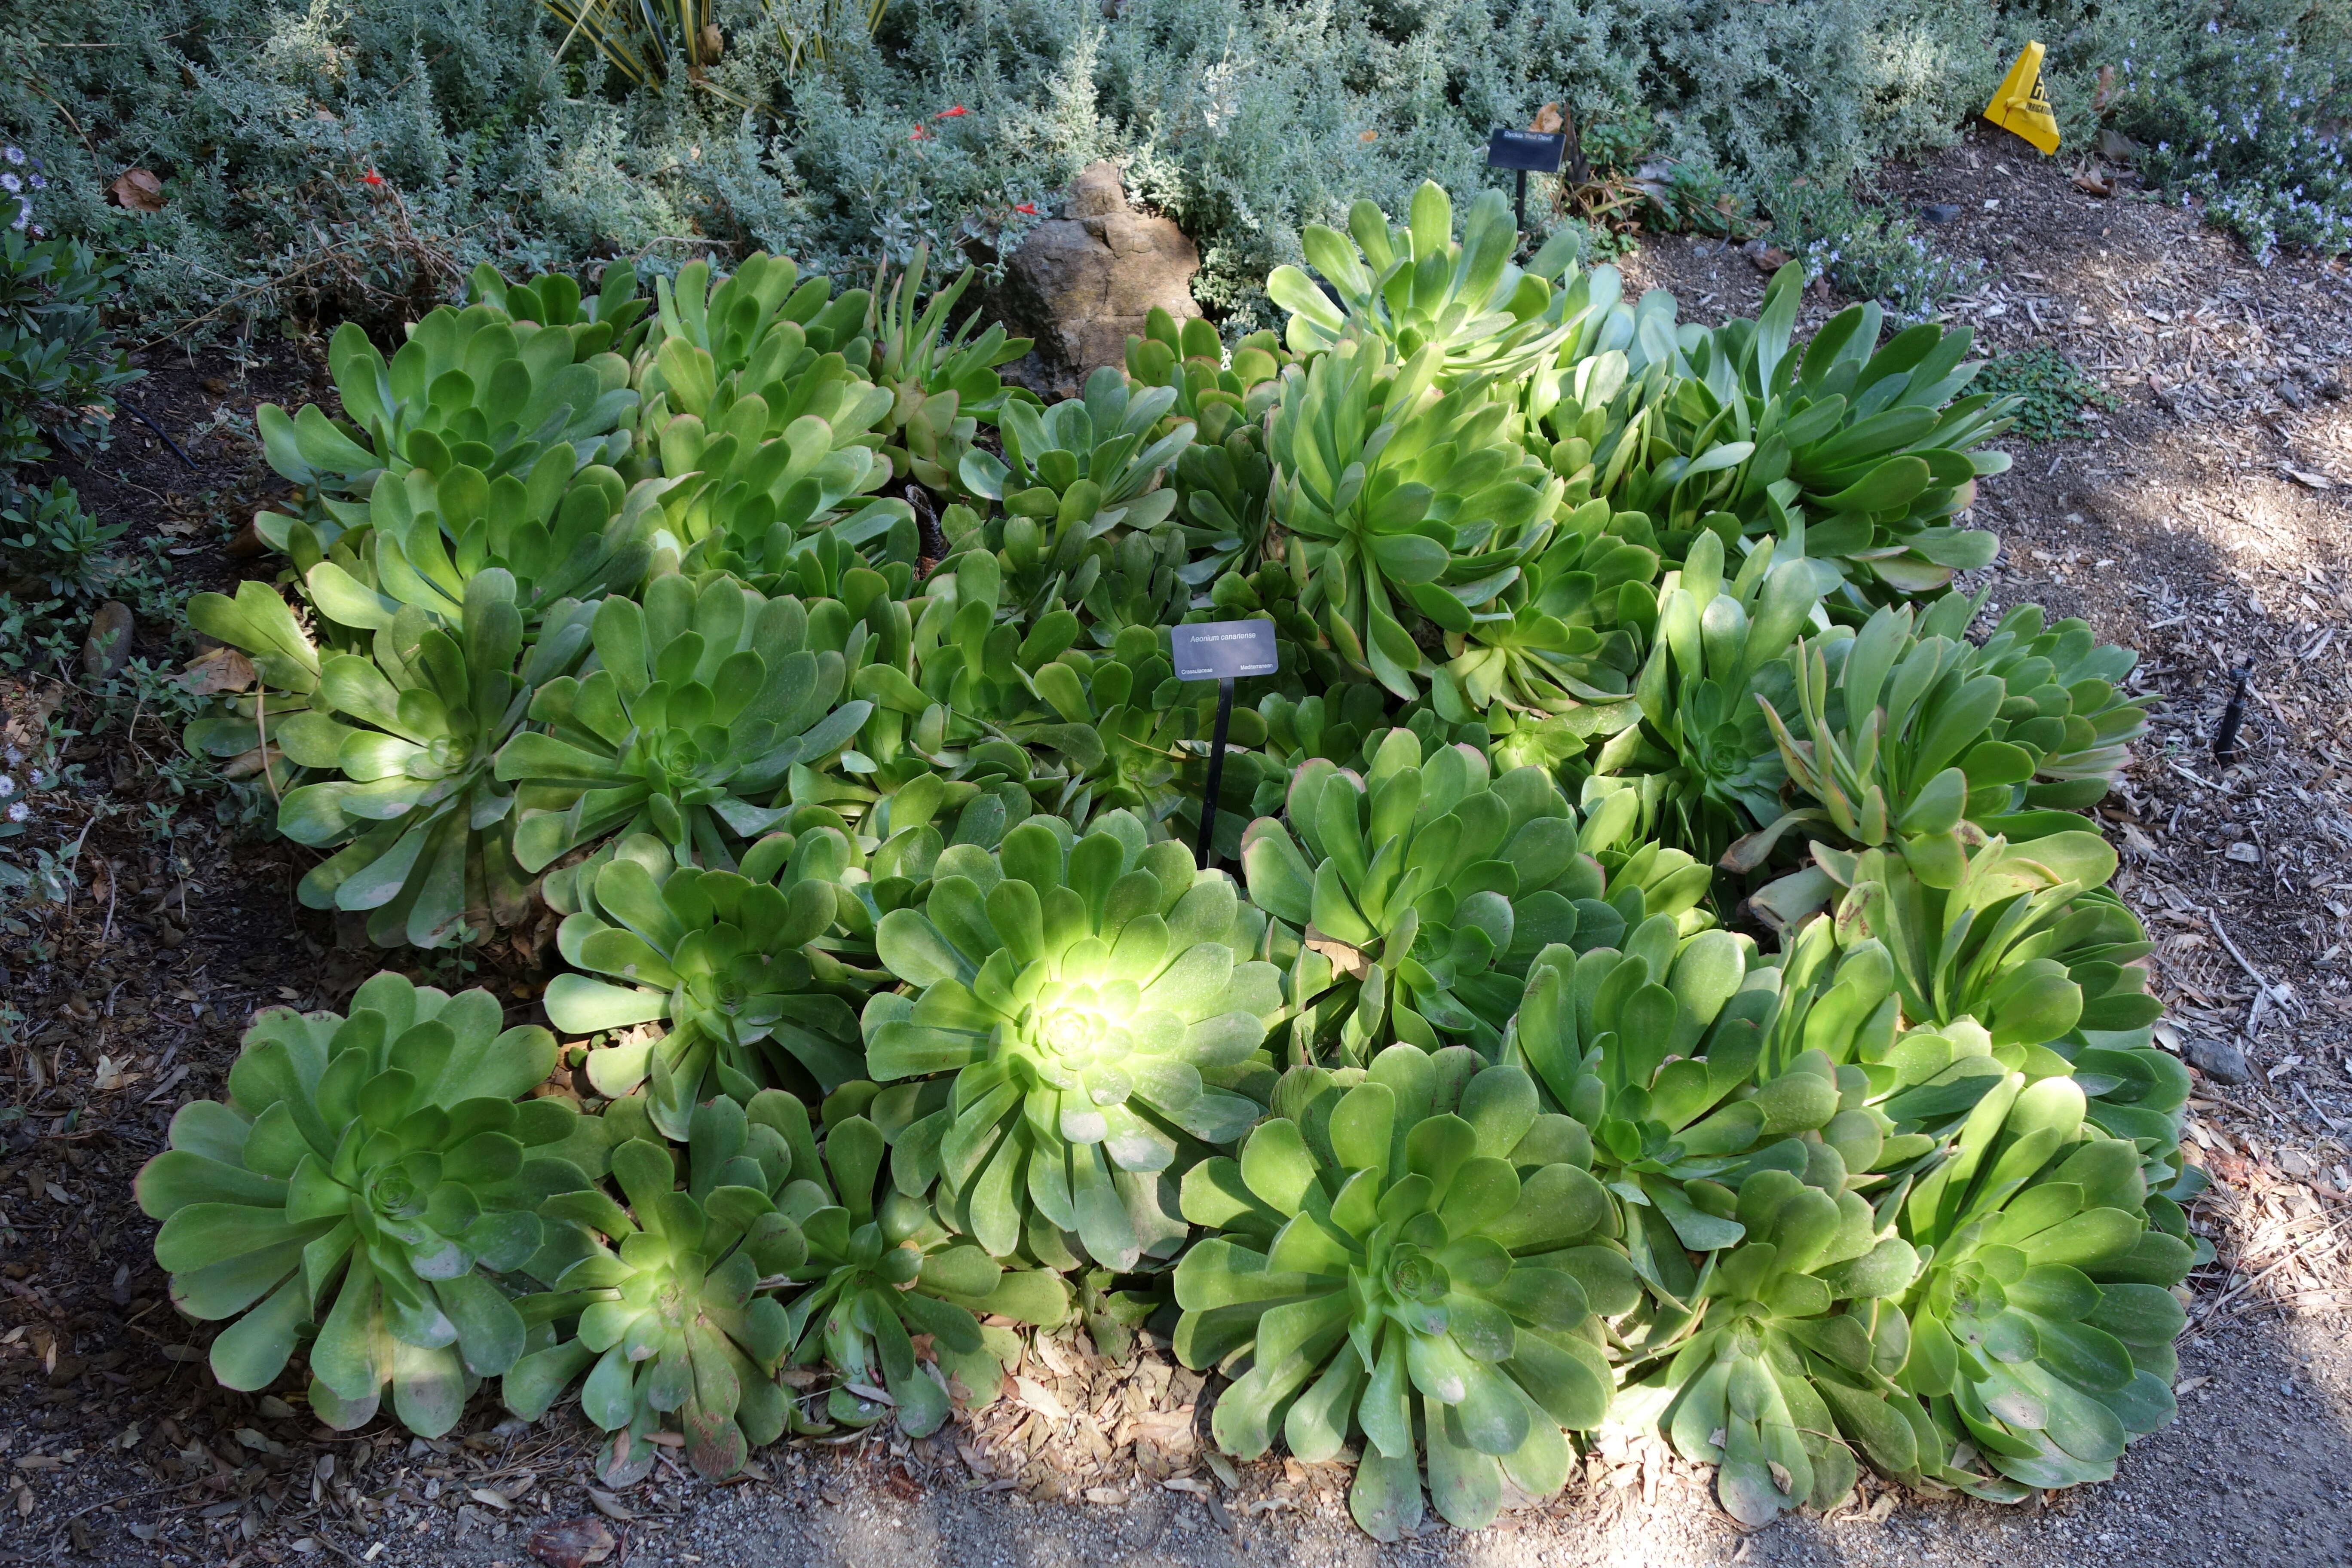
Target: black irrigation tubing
2225 743
166 435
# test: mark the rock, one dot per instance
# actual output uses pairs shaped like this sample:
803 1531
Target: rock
2244 852
1083 283
2219 1060
573 1542
107 648
1939 212
1769 259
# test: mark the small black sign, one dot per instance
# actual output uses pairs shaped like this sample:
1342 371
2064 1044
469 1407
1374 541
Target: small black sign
1223 650
1534 152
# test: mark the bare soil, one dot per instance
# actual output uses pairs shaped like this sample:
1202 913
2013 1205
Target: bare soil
2206 524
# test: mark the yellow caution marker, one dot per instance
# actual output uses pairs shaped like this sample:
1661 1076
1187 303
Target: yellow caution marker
2018 105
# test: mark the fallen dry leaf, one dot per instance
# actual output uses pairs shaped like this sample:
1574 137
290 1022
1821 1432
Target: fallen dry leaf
225 669
610 1506
2305 476
138 191
1547 121
1346 961
573 1542
2093 178
1040 1398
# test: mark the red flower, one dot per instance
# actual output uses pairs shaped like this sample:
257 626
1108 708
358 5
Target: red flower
958 112
1029 208
373 178
918 134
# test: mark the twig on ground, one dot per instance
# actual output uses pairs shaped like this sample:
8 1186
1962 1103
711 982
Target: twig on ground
2214 921
126 1497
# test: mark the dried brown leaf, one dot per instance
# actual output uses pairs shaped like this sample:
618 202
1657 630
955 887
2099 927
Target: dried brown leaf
573 1542
138 191
224 669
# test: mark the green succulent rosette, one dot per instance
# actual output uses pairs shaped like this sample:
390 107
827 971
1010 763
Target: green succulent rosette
1401 1257
1578 623
2081 725
1904 736
2042 1325
421 829
1665 1052
1082 729
1796 1337
1142 586
1729 1121
1092 1016
1911 731
245 733
760 481
1222 479
677 1322
1401 503
1876 445
942 384
562 534
1719 660
612 320
763 330
1415 286
2031 947
1420 892
379 1163
880 1273
469 387
700 700
751 970
971 669
1070 475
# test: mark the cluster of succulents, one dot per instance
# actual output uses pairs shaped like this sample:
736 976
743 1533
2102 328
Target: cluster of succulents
1652 965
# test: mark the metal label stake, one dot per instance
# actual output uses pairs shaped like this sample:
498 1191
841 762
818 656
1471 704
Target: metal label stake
1526 152
1222 651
